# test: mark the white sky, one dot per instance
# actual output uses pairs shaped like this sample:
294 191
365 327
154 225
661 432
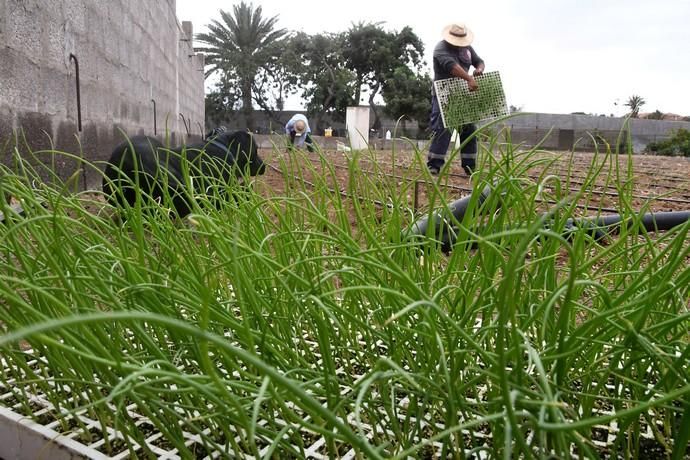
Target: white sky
555 56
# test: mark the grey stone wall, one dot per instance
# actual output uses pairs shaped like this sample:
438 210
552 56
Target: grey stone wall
130 53
562 132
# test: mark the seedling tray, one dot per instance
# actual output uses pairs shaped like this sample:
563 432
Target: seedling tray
460 106
32 427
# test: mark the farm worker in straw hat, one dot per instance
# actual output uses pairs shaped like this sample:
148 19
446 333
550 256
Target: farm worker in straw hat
453 57
300 133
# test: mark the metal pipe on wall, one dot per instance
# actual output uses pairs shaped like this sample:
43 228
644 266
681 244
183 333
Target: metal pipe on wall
186 126
155 128
76 67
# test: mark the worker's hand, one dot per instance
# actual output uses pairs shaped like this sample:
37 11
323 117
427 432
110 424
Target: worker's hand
477 72
472 84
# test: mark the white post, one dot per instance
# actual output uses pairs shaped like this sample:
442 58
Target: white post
357 122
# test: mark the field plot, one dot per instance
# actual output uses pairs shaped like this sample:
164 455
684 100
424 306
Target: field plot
299 320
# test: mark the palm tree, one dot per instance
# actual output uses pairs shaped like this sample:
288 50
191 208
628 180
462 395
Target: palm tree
635 103
238 46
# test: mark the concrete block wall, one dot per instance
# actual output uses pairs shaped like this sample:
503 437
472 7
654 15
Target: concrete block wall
130 53
560 131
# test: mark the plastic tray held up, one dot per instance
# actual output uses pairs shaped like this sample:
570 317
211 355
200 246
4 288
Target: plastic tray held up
460 106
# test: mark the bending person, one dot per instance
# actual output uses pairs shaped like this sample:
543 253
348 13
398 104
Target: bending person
300 133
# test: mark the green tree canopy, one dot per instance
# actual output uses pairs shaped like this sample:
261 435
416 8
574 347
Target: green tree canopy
635 103
239 46
280 76
328 85
374 54
408 96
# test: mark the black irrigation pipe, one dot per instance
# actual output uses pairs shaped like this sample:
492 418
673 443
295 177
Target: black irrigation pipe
443 227
598 227
76 67
16 209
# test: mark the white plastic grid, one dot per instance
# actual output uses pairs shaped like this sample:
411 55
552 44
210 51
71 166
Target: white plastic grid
460 106
315 445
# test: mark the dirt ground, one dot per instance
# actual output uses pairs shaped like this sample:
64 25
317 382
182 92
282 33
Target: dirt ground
664 180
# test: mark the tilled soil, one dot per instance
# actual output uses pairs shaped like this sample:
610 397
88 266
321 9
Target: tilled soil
658 183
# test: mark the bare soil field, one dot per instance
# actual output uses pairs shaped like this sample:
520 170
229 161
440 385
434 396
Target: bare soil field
658 183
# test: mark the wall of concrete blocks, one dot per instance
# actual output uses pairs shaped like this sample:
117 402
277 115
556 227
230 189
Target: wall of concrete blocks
564 132
130 53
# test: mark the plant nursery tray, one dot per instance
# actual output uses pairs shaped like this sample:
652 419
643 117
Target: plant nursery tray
460 106
31 427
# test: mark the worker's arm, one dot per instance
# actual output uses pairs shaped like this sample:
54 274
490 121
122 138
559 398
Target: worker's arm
459 72
477 62
479 69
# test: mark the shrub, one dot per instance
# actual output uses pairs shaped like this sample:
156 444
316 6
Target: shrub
678 144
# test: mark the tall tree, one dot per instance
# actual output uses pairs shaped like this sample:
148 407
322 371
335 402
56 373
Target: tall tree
635 103
408 97
328 85
279 77
239 45
373 54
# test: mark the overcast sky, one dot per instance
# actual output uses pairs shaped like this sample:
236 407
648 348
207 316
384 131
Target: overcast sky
554 56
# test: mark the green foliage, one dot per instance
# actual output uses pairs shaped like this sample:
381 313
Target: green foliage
280 75
295 314
373 55
407 95
260 65
678 144
656 115
635 103
239 46
327 84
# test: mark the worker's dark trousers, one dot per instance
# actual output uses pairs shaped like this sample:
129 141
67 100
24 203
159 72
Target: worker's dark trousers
441 140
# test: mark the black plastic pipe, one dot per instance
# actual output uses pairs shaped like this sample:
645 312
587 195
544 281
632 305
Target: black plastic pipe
601 226
76 67
443 224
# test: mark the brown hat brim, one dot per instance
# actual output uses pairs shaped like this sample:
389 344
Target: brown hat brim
454 39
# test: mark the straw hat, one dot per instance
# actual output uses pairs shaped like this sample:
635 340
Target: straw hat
458 34
300 126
